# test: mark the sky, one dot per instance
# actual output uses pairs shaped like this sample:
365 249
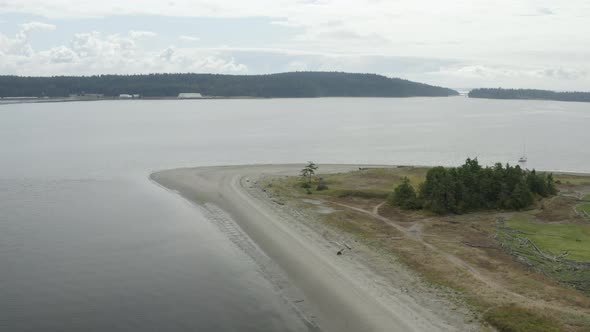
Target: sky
460 44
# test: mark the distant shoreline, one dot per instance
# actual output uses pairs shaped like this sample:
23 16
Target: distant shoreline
12 101
281 85
529 94
7 101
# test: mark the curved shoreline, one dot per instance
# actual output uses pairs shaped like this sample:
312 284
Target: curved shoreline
336 297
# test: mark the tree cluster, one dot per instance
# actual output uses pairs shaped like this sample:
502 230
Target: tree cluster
294 84
529 94
473 187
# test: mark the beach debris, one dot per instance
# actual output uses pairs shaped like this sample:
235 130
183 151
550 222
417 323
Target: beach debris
342 246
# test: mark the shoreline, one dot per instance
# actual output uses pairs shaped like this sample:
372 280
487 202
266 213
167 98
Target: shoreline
37 100
330 292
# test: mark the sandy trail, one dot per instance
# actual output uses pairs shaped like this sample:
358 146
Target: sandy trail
330 293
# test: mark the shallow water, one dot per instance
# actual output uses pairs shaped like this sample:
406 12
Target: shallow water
88 243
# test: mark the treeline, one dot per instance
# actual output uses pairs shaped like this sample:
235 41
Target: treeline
529 94
473 187
295 84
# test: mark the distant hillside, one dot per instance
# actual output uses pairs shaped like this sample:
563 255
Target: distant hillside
296 84
529 94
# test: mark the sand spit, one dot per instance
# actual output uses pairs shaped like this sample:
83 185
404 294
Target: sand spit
331 293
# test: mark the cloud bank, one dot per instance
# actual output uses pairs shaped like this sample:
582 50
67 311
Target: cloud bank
460 43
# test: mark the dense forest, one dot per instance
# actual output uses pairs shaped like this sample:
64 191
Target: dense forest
473 187
295 84
529 94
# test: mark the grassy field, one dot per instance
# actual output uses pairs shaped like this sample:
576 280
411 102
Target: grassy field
477 239
370 183
584 208
571 180
586 198
556 238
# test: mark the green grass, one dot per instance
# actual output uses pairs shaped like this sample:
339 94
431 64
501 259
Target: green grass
584 208
370 183
572 180
552 239
586 198
556 238
511 318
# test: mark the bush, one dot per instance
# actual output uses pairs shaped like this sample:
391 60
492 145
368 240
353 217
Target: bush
322 185
305 185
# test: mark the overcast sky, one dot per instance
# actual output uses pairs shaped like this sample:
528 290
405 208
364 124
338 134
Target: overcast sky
459 44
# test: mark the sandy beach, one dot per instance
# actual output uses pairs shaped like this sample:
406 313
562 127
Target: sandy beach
330 292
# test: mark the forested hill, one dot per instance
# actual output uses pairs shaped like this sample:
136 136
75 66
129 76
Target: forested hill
529 94
296 84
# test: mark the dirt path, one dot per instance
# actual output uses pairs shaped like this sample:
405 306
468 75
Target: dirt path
415 234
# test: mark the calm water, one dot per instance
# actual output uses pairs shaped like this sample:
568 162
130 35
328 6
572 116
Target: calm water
88 243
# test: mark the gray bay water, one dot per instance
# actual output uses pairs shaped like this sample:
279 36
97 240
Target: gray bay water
88 243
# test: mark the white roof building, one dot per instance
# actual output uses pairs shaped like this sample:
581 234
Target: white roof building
189 95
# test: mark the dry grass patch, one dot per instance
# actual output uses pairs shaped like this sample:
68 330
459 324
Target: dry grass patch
511 318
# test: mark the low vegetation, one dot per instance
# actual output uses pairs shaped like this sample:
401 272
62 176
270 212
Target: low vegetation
554 238
584 208
559 251
511 318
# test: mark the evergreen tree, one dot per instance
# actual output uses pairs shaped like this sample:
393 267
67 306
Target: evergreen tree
404 196
472 187
309 171
551 189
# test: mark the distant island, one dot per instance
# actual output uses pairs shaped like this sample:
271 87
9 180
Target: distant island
283 85
529 94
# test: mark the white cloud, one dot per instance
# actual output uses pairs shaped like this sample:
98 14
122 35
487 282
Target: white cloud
19 44
508 76
97 53
31 26
135 34
189 38
60 54
489 38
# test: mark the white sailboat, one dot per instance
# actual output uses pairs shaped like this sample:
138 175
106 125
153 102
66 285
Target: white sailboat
523 159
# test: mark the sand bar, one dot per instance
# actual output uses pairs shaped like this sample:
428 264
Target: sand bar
331 294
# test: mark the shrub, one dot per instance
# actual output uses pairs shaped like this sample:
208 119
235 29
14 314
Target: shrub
305 185
322 185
